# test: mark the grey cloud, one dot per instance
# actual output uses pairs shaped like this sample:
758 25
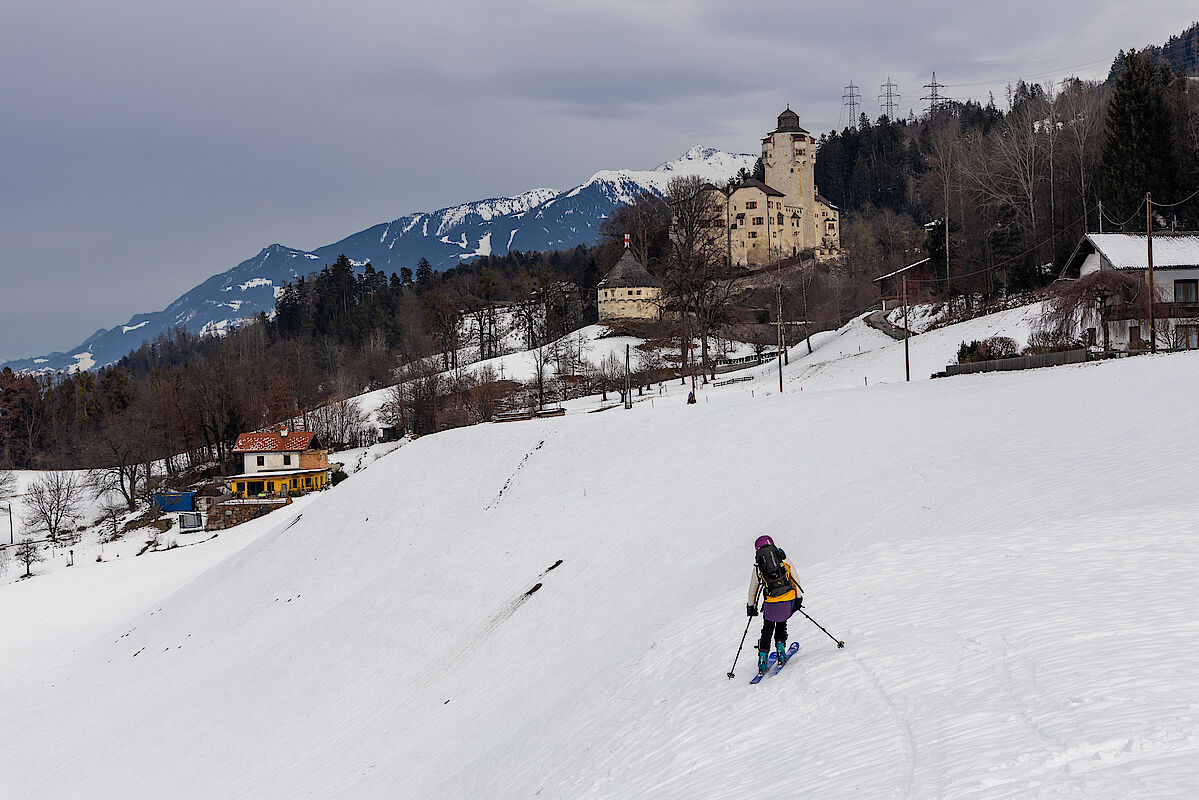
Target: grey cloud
149 145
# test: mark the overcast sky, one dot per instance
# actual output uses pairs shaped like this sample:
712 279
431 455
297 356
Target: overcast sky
148 144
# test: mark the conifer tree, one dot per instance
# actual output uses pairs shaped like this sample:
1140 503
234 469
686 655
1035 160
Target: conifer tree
1138 148
424 271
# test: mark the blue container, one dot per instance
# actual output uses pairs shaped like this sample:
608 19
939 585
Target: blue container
175 501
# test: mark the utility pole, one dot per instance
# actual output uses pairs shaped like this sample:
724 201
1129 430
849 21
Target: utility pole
628 389
786 355
1101 215
851 100
935 98
948 286
889 99
10 538
907 362
1152 296
691 358
780 335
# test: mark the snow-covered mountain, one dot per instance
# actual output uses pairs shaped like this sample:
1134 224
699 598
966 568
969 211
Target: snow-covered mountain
539 219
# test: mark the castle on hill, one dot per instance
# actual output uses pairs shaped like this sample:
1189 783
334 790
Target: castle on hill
757 223
783 215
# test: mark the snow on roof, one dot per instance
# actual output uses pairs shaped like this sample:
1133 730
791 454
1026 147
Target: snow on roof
1130 250
274 442
901 269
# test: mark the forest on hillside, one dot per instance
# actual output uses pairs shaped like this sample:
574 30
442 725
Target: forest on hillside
995 200
1009 193
335 333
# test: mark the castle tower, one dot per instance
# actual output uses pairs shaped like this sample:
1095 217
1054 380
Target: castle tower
789 155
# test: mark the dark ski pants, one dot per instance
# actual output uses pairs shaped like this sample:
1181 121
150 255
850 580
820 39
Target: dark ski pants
777 629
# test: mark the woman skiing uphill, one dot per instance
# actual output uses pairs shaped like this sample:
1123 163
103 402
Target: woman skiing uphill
783 595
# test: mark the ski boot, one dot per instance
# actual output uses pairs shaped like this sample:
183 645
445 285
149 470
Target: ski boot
763 661
780 649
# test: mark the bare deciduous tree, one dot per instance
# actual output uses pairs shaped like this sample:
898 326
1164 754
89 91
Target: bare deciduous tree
1076 304
643 220
542 358
110 514
943 158
28 553
123 448
340 423
698 274
52 503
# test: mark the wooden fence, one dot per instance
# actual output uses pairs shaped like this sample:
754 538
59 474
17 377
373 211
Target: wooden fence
1021 362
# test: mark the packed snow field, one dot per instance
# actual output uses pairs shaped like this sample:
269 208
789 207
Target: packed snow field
548 608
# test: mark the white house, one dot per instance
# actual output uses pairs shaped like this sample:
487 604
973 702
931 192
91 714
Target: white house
1175 288
280 463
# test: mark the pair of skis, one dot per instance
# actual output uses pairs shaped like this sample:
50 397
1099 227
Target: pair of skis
773 666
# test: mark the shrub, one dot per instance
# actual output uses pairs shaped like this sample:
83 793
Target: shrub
338 476
1051 341
987 350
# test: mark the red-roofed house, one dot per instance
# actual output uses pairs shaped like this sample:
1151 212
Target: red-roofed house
279 463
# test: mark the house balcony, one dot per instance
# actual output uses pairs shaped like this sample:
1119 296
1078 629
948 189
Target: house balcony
1127 311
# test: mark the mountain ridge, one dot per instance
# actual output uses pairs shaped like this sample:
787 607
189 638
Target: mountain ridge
535 219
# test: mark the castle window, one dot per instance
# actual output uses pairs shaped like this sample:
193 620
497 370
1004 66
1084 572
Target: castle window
759 221
638 291
780 219
753 234
751 204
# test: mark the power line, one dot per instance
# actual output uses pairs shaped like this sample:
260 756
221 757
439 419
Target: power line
1192 196
889 98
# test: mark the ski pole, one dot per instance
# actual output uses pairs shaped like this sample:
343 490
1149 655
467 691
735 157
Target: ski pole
840 643
747 624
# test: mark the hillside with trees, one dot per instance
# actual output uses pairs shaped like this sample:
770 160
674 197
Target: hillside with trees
1009 193
991 200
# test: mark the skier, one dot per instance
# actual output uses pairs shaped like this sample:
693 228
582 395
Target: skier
774 575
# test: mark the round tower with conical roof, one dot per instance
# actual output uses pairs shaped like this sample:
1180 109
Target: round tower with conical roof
629 292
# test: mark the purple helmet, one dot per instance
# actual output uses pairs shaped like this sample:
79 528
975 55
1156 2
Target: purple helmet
763 541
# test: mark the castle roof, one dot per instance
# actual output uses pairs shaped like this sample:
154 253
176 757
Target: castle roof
822 199
629 273
754 183
789 121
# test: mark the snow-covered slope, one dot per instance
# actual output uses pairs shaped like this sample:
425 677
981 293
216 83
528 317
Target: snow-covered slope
548 609
539 219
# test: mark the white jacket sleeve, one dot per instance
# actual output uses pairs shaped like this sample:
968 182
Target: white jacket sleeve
755 586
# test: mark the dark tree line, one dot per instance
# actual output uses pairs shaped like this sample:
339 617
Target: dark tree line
999 199
334 334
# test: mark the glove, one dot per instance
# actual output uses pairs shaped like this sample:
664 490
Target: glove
798 602
751 610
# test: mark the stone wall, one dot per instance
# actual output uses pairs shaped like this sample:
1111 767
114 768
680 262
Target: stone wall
235 512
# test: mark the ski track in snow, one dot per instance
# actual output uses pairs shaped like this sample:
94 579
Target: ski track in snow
1013 576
